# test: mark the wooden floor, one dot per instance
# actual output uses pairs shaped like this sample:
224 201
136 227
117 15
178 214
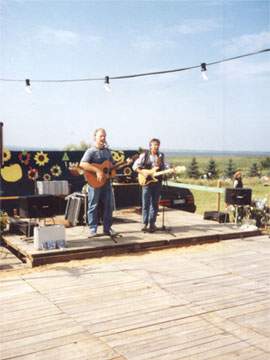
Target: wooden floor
186 229
201 302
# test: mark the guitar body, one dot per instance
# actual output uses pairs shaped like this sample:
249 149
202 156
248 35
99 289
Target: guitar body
108 171
147 177
106 167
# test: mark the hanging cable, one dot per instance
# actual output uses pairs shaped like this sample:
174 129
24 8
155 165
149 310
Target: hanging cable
120 77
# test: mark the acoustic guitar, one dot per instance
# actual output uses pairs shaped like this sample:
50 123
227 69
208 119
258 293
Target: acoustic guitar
148 176
106 167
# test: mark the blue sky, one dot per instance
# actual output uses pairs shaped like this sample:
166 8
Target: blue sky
84 39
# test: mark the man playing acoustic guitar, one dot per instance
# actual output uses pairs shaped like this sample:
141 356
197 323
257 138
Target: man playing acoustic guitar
152 159
101 190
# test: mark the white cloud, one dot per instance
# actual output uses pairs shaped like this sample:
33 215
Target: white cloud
166 37
194 26
247 43
57 36
239 69
147 43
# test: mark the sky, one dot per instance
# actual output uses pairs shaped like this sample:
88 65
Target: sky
48 40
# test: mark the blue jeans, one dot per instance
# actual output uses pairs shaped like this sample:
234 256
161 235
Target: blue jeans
103 194
150 200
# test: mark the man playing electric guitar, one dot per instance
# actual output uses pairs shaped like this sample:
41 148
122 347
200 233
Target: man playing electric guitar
151 159
98 154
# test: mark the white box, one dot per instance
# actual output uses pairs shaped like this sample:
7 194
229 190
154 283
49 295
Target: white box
54 187
49 237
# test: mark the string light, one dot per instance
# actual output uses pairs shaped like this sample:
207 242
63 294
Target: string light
107 79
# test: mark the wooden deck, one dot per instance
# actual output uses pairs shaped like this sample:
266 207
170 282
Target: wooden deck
194 303
186 229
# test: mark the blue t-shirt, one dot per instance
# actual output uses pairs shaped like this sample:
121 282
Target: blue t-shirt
98 156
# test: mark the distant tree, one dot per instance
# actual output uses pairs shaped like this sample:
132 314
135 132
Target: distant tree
230 169
193 169
211 169
253 170
266 163
72 147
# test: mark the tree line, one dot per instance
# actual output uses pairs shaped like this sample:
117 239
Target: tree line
212 172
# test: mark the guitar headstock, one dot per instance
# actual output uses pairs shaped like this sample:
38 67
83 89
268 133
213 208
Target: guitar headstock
179 169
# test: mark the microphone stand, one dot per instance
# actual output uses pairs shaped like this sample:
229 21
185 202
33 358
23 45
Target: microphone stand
163 226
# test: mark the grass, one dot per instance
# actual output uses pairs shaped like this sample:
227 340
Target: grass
206 201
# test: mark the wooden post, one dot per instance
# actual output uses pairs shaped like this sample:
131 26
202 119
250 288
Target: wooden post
218 195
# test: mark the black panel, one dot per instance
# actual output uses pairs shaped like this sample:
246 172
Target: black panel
38 206
238 196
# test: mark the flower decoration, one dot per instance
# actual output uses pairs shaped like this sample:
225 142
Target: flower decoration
127 171
47 177
118 156
6 155
33 174
24 157
56 170
41 158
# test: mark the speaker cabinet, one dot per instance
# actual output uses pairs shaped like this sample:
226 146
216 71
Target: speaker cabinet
238 196
38 206
218 216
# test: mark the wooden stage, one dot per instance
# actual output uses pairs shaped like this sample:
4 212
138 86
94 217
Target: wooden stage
186 229
208 302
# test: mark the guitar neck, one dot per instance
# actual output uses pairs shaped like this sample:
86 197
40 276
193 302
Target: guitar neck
163 172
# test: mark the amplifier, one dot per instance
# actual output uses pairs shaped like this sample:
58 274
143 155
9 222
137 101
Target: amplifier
20 227
38 206
218 216
238 196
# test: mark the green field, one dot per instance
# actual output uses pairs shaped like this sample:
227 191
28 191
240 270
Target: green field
206 201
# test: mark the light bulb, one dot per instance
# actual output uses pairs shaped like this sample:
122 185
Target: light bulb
204 71
28 88
107 84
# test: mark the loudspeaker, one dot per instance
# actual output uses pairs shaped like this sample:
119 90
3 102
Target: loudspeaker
17 226
218 216
38 206
238 196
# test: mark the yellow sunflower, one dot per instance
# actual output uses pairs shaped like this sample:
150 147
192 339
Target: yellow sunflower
118 156
127 171
41 158
56 170
6 155
47 177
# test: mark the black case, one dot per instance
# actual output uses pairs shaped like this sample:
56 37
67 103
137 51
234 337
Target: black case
218 216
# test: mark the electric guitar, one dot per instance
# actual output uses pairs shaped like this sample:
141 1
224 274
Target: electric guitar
106 167
148 176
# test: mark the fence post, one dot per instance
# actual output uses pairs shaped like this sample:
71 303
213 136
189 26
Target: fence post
218 195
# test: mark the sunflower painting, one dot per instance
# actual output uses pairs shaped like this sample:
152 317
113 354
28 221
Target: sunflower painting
47 177
33 174
118 156
41 158
6 155
56 170
24 157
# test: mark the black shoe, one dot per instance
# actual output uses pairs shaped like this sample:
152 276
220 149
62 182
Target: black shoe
144 228
152 228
